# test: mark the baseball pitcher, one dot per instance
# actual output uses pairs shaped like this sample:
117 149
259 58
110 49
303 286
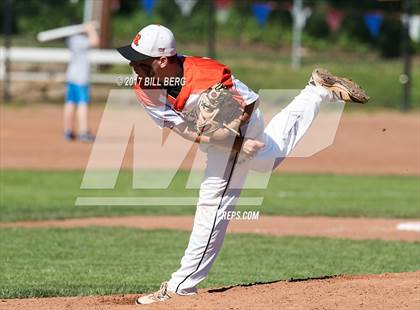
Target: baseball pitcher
201 100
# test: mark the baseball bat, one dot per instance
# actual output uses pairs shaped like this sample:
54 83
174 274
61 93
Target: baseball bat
61 32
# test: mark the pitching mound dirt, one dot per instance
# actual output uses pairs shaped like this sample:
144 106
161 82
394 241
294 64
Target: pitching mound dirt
387 291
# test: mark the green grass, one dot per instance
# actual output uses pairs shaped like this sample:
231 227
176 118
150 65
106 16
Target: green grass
84 261
32 195
266 68
270 69
379 77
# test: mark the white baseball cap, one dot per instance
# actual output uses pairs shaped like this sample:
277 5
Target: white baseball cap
151 41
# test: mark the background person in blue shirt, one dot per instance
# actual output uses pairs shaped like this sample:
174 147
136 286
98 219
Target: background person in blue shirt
77 94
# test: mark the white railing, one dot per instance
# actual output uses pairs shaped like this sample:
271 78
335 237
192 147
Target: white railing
57 55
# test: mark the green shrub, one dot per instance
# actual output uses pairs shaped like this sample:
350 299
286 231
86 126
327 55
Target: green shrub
32 16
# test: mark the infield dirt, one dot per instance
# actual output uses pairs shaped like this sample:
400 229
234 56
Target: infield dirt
348 228
365 143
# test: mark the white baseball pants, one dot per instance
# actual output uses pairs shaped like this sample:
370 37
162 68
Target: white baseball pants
224 178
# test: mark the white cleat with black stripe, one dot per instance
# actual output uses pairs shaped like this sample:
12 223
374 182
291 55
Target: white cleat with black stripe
161 295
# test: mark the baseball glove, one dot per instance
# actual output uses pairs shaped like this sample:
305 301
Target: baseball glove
216 109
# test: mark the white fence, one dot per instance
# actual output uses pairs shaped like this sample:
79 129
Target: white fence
56 55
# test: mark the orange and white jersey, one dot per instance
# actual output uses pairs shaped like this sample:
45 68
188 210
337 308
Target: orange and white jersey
200 74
